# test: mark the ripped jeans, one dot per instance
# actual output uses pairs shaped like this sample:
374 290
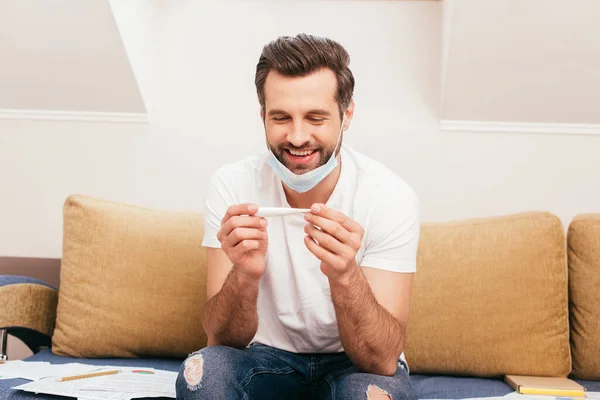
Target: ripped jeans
263 372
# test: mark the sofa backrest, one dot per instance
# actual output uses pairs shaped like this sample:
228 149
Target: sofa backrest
490 298
584 295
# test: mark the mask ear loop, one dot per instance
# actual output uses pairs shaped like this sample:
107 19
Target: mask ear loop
338 146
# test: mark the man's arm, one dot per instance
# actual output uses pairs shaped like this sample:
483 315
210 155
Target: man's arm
372 322
230 316
371 305
234 271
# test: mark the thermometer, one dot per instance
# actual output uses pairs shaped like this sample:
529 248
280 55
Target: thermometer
279 211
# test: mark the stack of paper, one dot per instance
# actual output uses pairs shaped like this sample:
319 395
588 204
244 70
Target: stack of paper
20 369
129 383
158 384
100 395
36 370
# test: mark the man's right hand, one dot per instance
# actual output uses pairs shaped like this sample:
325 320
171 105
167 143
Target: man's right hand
244 239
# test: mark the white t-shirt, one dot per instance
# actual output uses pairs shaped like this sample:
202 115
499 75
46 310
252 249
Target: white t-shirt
295 309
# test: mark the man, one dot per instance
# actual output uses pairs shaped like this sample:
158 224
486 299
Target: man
314 305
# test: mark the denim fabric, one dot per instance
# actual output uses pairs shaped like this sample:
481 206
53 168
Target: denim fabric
263 372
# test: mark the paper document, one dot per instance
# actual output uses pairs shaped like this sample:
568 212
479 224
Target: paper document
53 386
125 385
162 383
21 369
33 370
101 395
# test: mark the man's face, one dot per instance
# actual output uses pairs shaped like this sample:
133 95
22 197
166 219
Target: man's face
302 119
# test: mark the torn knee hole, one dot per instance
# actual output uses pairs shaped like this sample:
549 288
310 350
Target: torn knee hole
374 392
192 371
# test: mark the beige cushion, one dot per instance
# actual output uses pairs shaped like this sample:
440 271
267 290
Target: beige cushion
490 298
584 287
132 281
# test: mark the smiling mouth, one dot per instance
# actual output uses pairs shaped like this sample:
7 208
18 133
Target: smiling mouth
301 158
300 153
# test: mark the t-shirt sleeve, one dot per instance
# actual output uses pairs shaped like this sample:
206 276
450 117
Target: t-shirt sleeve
218 199
392 236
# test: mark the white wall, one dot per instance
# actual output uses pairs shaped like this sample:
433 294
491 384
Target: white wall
523 61
195 64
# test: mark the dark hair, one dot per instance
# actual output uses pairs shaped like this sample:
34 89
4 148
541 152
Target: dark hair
301 56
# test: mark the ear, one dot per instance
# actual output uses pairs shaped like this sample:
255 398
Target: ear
348 114
262 116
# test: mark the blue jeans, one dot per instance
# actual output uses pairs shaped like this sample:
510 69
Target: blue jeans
263 372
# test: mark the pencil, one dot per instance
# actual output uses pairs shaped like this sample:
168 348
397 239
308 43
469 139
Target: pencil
90 375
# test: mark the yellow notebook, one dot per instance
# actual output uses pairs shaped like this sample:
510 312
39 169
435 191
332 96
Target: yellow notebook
559 387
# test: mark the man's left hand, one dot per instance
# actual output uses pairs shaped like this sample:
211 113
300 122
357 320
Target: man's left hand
335 243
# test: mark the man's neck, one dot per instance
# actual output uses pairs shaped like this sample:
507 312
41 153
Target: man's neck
319 194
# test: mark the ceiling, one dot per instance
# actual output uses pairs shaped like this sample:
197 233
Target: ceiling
65 57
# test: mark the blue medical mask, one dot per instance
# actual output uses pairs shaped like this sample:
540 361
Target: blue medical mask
305 182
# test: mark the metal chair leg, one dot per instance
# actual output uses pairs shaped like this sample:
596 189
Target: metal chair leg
3 341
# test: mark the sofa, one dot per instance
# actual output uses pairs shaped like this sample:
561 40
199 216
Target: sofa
512 294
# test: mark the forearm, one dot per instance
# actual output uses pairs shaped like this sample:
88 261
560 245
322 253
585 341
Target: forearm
371 336
230 317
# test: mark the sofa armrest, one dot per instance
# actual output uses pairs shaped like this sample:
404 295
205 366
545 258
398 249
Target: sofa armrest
28 310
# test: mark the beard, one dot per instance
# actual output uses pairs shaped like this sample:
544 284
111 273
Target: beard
324 154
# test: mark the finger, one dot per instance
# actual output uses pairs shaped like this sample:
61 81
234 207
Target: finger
326 241
331 227
243 221
247 245
349 224
321 253
240 209
240 234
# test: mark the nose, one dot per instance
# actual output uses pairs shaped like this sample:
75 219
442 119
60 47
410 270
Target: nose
297 136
